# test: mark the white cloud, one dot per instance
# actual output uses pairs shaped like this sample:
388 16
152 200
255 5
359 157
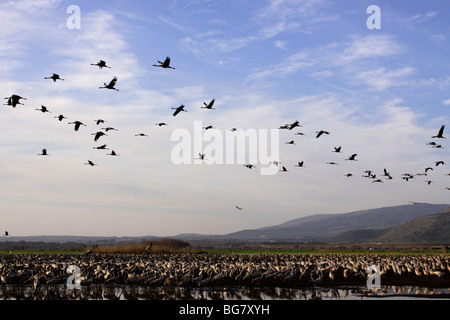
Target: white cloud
367 47
380 79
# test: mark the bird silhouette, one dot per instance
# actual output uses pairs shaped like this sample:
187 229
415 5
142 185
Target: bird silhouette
300 164
98 121
109 129
321 132
102 147
334 163
239 208
439 162
43 109
14 100
98 134
77 124
165 64
110 85
283 169
91 163
428 168
352 157
290 142
162 124
201 156
293 125
44 153
54 77
141 135
101 64
178 110
60 117
113 153
208 127
250 166
349 175
440 133
337 149
209 105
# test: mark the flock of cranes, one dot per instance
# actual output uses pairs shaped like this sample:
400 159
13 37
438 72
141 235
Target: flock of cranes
368 173
15 100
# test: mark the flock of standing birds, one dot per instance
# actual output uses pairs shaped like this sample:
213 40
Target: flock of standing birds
14 100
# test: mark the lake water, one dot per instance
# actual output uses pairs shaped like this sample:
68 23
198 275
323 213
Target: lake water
111 292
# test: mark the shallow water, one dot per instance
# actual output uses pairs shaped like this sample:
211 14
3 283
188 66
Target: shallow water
124 292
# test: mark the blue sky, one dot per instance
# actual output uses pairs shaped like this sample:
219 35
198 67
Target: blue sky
381 93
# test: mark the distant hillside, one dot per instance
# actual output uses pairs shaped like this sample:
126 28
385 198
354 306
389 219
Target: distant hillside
322 227
433 228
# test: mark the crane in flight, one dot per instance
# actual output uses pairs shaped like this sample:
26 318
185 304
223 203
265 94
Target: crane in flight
110 85
14 100
209 105
98 134
101 64
352 157
165 64
102 147
162 124
440 133
60 117
43 109
178 110
77 124
109 128
91 163
113 153
44 153
321 132
337 149
54 77
293 125
300 164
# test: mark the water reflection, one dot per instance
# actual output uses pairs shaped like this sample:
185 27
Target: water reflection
126 292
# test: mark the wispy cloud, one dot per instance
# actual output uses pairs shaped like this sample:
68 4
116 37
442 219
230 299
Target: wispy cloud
367 47
380 78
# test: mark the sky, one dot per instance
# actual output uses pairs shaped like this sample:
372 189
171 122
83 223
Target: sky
377 81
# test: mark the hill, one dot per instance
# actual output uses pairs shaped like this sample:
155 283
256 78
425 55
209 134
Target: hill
433 228
323 227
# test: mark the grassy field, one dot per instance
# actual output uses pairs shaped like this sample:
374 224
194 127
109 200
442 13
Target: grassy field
178 246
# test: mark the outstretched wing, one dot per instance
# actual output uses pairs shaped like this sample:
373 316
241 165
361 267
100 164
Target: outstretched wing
441 131
166 62
113 82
